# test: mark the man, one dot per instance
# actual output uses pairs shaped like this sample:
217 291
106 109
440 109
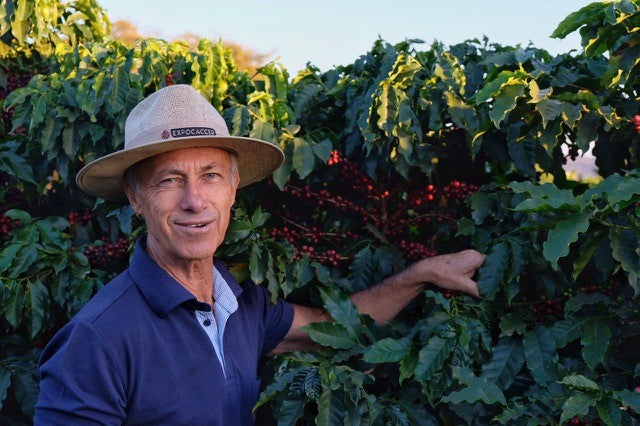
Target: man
175 339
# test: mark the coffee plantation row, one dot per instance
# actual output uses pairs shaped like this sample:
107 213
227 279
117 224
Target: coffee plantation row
410 151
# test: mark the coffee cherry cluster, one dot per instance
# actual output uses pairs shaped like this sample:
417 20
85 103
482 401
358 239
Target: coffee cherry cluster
357 182
548 307
334 158
6 225
295 236
330 257
610 289
77 218
414 250
168 80
100 255
424 196
458 190
636 123
324 197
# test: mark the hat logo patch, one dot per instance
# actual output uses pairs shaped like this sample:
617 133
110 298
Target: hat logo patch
165 134
192 131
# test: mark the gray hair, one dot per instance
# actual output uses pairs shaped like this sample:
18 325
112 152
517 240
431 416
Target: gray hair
131 179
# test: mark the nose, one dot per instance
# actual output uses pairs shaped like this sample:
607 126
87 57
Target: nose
192 197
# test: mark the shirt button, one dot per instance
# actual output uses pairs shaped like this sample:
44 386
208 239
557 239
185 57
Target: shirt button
206 322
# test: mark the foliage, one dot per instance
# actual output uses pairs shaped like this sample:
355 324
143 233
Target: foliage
403 154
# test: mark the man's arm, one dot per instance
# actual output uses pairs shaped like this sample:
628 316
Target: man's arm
386 299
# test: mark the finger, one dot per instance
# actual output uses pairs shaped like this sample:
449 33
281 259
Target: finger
471 288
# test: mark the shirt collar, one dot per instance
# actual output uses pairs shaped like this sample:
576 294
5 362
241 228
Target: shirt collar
161 290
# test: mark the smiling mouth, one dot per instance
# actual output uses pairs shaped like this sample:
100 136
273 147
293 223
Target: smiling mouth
194 225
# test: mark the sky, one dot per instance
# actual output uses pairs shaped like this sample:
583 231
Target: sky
332 32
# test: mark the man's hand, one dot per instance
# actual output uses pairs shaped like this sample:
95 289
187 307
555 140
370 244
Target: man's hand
452 271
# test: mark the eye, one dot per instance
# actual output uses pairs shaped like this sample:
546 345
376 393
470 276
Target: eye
213 175
168 180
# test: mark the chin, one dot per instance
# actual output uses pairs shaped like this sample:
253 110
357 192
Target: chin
194 253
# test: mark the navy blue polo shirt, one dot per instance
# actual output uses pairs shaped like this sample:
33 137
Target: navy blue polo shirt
136 354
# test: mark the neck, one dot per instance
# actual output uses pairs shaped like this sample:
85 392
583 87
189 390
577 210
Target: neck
194 275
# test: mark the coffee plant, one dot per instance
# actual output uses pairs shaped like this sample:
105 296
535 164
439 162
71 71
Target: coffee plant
409 152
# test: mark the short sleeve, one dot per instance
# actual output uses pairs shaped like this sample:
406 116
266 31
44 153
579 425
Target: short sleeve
277 319
79 380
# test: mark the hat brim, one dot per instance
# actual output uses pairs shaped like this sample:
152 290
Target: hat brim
104 177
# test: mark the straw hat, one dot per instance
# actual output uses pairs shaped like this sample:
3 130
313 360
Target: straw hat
172 118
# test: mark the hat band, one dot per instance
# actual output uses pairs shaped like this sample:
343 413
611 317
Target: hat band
166 132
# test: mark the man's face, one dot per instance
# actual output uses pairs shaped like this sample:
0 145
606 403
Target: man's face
185 197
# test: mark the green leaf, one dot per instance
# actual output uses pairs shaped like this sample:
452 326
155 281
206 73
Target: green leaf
303 158
238 230
289 411
39 306
24 259
5 382
331 408
8 255
432 357
567 330
21 22
341 309
408 364
587 15
523 155
587 130
330 334
362 269
624 249
240 122
507 359
580 382
578 301
38 113
563 235
595 341
609 412
278 385
549 110
540 354
14 305
117 91
387 109
478 389
25 385
13 164
577 405
313 384
511 323
629 399
263 130
491 87
624 191
20 215
587 251
493 270
506 100
543 197
387 350
323 149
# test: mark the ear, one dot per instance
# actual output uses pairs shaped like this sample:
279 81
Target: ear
133 199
